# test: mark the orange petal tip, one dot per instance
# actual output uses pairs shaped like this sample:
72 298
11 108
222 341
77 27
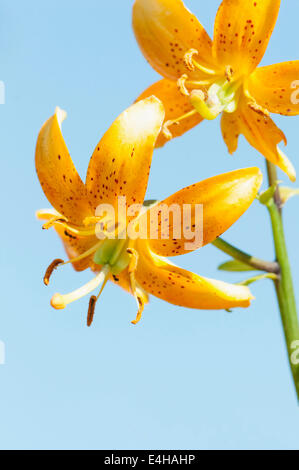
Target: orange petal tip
60 114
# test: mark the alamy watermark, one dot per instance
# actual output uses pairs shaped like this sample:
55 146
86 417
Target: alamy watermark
295 354
159 222
295 94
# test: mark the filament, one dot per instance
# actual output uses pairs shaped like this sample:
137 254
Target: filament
166 132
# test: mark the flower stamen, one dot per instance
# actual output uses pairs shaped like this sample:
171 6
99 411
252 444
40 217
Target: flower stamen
53 221
165 130
91 310
93 301
191 64
229 73
139 294
181 83
50 269
60 262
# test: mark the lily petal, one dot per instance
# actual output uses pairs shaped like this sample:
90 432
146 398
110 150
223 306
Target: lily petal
180 287
276 87
57 174
242 31
224 199
74 246
260 131
165 31
175 105
121 162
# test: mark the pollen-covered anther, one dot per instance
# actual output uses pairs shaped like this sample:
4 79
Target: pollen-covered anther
140 304
188 59
181 83
165 129
229 73
53 221
139 295
50 270
258 109
91 310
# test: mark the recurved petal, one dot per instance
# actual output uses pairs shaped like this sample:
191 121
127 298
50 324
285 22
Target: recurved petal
242 31
198 214
276 87
74 246
176 105
165 31
121 162
260 131
57 174
230 128
180 287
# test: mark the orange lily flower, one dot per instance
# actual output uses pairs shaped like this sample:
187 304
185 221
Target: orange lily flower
119 167
203 78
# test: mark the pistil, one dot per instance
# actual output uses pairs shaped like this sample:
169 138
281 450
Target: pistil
60 301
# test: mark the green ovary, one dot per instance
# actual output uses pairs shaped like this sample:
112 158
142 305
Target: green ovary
113 253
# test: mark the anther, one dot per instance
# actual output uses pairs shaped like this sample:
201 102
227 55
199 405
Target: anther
50 270
91 309
229 73
165 129
188 59
140 310
52 222
136 291
191 64
181 83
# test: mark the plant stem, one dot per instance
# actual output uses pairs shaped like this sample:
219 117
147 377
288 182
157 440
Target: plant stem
256 263
284 286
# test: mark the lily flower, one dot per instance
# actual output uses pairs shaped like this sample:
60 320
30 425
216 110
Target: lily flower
205 78
119 167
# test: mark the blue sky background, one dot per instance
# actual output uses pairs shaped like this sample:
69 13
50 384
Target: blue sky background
180 379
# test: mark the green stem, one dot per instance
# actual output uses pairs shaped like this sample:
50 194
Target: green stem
256 263
284 286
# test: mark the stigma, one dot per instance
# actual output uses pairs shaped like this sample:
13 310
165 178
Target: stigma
221 96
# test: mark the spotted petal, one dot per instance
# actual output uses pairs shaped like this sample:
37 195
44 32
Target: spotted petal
198 214
276 87
260 131
242 31
180 287
165 31
120 164
57 174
